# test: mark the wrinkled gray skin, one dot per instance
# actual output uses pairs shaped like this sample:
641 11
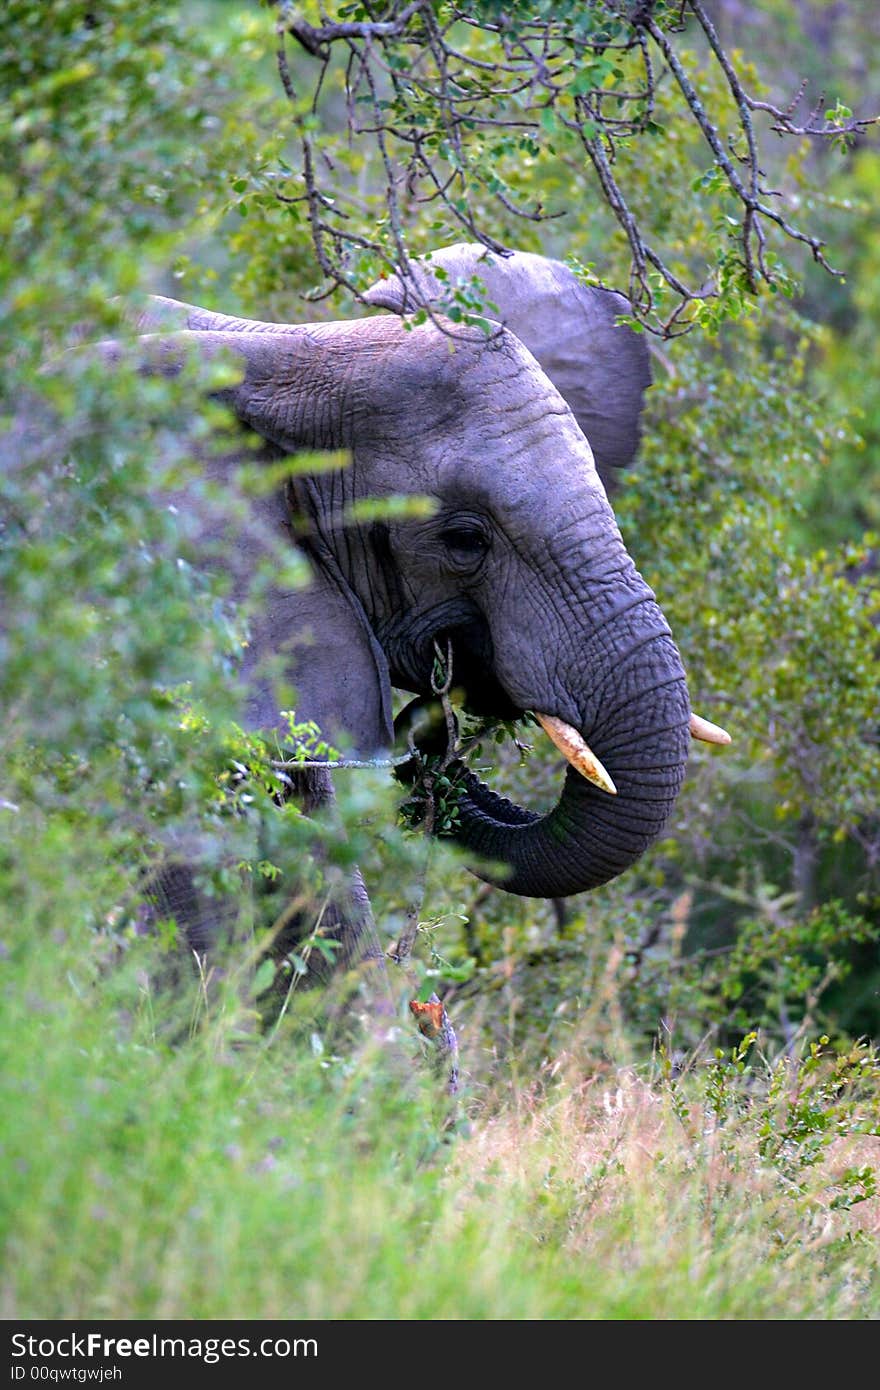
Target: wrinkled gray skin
600 369
522 565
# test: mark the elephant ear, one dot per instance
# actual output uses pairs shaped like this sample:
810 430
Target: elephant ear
319 637
309 645
599 366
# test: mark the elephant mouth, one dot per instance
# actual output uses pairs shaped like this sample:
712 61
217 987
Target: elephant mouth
468 649
464 652
473 672
598 827
464 639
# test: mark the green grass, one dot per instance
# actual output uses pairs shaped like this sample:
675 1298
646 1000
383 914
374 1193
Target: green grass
324 1175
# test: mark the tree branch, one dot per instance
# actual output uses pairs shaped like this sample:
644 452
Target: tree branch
449 99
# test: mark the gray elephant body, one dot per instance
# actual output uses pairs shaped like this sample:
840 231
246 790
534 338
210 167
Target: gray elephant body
520 565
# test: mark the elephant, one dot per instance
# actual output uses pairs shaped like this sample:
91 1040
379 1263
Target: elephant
519 570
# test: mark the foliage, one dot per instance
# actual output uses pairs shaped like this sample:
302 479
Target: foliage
143 1181
469 108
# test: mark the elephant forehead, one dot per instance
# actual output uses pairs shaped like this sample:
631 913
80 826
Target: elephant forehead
426 372
464 414
522 460
427 369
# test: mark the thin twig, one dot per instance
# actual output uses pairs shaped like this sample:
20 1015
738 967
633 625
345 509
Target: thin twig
335 764
430 108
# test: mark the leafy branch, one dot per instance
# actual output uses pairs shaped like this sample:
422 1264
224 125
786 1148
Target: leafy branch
451 99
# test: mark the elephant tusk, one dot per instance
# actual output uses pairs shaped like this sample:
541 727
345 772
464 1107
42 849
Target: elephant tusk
708 733
573 748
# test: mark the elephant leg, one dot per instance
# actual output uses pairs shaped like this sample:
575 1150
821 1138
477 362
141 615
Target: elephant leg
300 917
201 919
340 918
339 914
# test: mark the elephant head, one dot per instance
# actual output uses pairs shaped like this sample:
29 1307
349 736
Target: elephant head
520 564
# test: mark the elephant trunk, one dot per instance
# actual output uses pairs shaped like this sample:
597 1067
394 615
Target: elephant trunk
641 737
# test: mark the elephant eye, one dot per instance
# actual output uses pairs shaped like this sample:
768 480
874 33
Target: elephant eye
467 542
